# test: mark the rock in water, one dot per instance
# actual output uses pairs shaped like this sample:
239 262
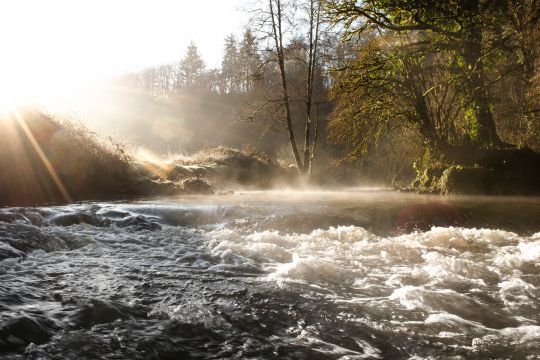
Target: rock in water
197 186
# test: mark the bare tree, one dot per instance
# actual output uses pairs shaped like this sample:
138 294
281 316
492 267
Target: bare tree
276 19
281 23
313 39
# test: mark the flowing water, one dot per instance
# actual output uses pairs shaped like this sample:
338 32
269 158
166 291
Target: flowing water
360 274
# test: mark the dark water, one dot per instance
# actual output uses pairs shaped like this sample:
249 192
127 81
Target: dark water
282 275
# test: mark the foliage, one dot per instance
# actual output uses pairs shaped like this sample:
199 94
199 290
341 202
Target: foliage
435 66
191 67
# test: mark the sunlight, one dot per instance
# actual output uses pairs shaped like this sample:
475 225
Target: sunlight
19 88
297 179
51 49
12 94
40 153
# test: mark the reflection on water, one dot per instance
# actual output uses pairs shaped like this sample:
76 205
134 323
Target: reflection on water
301 275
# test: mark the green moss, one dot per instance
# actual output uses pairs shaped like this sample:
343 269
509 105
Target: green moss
470 117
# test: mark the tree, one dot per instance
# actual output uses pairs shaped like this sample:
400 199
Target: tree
390 84
191 67
473 41
292 54
469 31
277 19
313 43
230 66
249 61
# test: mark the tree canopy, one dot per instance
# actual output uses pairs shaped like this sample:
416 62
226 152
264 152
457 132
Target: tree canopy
435 66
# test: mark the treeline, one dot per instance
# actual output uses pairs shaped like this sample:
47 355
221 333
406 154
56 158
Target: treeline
384 85
241 103
241 70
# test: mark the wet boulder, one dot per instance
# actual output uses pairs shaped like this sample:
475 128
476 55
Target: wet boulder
96 312
197 186
7 251
138 222
11 217
17 333
78 218
25 238
459 180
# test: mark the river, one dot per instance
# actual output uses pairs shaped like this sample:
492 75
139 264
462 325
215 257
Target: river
352 274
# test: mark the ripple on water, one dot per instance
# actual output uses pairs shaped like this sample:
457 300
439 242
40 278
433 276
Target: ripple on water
208 282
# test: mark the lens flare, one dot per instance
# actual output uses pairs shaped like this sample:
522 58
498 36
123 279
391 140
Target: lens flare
39 151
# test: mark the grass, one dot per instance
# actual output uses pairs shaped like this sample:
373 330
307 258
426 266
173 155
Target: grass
47 160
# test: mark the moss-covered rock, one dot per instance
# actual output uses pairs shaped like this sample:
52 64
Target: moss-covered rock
459 180
487 172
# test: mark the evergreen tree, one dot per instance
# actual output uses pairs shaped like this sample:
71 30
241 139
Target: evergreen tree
230 66
191 67
250 61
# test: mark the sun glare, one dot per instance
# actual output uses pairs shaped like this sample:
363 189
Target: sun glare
51 47
12 96
19 87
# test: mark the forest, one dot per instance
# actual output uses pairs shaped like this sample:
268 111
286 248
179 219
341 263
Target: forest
442 93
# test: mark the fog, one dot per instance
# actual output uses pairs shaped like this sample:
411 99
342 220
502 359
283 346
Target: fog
269 179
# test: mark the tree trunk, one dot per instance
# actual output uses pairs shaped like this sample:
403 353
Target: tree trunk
487 135
278 39
427 128
315 137
312 57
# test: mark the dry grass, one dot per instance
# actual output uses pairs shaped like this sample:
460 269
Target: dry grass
46 160
227 167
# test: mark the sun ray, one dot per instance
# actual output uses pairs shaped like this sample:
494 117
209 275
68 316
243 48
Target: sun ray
39 151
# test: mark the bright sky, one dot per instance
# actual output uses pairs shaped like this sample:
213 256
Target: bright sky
50 46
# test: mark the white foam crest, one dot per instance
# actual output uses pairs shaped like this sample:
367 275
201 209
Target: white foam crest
462 239
318 256
523 334
516 292
190 312
427 271
254 251
450 268
525 338
440 300
311 270
271 237
527 252
391 250
530 251
453 321
410 297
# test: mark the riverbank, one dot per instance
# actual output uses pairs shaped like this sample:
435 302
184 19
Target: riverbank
511 172
44 160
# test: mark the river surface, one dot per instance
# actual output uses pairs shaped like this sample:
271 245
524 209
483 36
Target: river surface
358 274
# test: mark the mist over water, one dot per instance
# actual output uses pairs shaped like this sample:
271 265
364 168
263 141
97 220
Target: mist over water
355 274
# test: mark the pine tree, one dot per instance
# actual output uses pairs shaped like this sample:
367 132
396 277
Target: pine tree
250 61
230 65
191 67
